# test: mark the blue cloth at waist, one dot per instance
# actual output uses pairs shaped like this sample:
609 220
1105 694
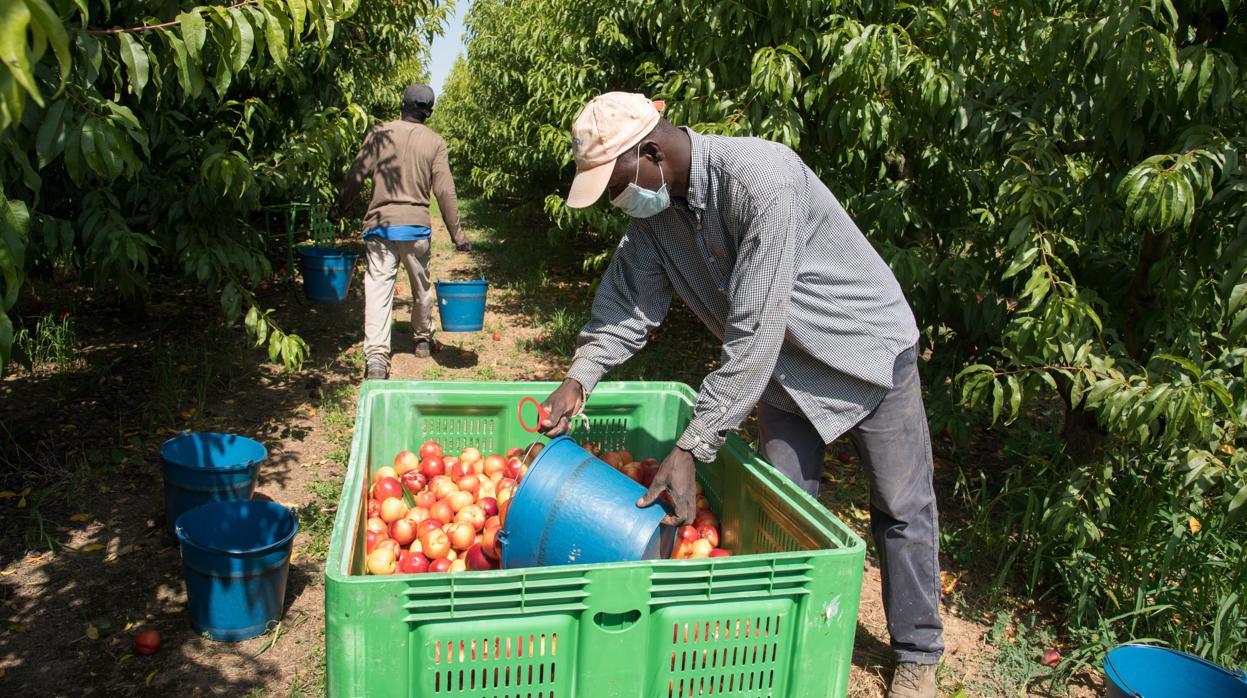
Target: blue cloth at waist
399 232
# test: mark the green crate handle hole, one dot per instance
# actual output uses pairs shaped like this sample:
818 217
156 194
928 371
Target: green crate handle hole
616 622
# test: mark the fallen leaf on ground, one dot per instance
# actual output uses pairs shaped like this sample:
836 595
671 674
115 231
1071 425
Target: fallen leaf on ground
124 550
93 632
149 678
1194 524
92 548
947 582
80 517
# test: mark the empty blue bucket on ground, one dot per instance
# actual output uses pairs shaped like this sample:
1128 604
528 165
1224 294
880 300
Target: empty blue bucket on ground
462 305
207 467
235 558
1143 671
326 273
572 508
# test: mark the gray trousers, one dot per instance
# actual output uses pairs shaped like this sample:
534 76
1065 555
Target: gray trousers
895 449
384 259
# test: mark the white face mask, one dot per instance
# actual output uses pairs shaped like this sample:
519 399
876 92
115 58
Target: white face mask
639 202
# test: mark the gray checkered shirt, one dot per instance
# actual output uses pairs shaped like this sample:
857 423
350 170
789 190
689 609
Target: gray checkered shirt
810 316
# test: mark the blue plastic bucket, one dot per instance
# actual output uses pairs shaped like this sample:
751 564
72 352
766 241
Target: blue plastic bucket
326 273
1143 671
571 508
462 305
235 557
206 467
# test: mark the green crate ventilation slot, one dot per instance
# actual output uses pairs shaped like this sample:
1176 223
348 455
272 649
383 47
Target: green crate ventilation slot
458 433
609 432
772 538
731 656
502 666
543 590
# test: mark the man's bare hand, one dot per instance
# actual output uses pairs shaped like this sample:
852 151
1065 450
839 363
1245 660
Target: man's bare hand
563 404
676 475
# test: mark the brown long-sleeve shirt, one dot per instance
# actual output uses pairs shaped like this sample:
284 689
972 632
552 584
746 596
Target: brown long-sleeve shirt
406 161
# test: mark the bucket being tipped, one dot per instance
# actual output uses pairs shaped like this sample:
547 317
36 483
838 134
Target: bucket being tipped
572 508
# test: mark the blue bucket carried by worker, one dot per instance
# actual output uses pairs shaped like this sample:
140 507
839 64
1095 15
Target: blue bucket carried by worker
1144 671
235 558
462 305
326 272
572 508
208 467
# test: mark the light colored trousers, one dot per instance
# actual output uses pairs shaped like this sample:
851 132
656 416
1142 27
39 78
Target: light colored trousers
384 257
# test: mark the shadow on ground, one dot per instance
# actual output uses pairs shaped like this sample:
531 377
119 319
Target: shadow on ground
79 453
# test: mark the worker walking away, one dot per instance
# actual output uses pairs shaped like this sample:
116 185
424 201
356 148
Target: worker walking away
406 161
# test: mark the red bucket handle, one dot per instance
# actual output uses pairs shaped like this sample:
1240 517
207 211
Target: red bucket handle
542 414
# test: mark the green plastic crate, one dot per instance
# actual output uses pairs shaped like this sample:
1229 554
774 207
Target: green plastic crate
776 620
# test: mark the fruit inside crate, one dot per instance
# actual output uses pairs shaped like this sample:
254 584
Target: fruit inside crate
435 510
776 620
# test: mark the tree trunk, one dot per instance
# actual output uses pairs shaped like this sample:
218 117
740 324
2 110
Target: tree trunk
1140 300
1081 432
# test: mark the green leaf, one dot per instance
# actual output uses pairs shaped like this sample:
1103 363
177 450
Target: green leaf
1238 501
189 76
54 31
243 40
298 15
998 399
1183 362
194 33
275 37
6 340
50 139
1020 262
134 55
14 20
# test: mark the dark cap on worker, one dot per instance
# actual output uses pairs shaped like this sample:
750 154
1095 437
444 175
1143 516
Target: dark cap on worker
418 95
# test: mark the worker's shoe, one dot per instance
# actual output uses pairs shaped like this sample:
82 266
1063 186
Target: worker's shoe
913 681
376 369
424 348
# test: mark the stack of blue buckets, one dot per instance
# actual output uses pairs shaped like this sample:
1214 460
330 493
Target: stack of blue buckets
235 549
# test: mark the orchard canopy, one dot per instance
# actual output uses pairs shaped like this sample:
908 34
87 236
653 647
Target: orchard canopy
1058 185
143 136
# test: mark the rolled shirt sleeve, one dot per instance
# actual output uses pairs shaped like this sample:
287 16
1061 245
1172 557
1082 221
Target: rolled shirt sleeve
632 299
760 287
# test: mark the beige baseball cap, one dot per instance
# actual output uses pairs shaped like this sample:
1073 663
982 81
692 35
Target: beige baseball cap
610 125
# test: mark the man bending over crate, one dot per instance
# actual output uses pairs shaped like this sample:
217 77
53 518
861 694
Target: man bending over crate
816 333
406 161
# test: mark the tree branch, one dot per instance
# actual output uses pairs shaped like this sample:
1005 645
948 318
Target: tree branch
162 25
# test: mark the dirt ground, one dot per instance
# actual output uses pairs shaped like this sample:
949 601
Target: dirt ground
85 560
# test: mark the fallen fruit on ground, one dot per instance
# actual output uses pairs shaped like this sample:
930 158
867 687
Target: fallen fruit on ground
146 642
